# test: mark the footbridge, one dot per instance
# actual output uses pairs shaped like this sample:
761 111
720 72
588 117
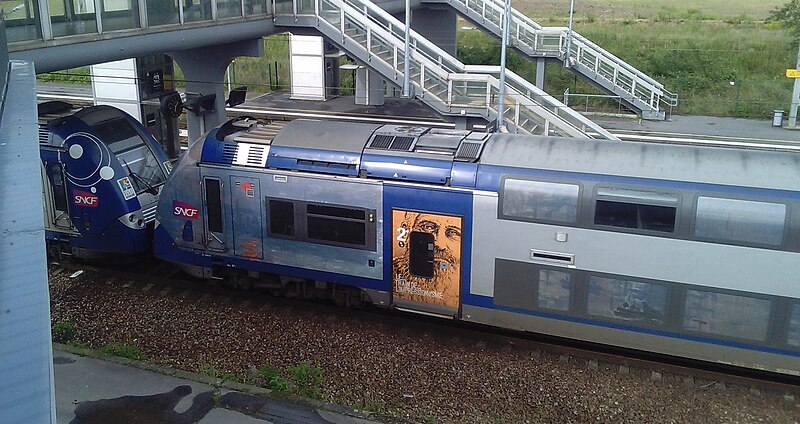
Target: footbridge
602 69
374 37
204 37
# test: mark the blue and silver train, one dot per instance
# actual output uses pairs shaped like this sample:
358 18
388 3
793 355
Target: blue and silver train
681 250
102 172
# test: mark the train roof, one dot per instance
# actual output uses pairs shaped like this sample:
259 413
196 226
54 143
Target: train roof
421 154
729 166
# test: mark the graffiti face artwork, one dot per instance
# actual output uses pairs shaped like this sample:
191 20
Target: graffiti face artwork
426 257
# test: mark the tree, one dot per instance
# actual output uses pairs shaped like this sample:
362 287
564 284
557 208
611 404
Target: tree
788 16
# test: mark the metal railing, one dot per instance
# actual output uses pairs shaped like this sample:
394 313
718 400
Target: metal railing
588 58
438 78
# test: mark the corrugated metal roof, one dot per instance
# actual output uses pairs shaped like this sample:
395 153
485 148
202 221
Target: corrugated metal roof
26 356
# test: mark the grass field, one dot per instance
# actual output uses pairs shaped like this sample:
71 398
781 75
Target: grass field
694 48
650 9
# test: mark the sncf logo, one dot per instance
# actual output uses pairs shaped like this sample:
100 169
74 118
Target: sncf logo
184 210
82 198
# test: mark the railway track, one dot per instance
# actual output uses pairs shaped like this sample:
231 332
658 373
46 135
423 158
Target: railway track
157 279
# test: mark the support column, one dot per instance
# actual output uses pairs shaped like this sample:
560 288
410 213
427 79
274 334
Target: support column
369 87
204 70
541 72
437 25
795 97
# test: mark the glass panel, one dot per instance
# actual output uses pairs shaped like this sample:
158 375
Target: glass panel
254 7
21 21
281 217
726 315
120 14
305 6
793 339
162 12
615 214
421 250
541 201
627 300
195 11
334 211
59 189
229 9
129 146
72 17
629 215
740 221
285 7
554 289
214 205
347 232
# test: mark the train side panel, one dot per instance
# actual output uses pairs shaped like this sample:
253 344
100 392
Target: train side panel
662 294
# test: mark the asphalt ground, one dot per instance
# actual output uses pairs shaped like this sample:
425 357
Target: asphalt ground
100 390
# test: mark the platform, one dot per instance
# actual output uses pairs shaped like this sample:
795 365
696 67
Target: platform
120 391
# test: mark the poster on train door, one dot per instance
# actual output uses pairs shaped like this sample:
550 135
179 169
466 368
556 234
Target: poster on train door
426 257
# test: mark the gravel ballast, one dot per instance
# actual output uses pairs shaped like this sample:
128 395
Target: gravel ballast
407 376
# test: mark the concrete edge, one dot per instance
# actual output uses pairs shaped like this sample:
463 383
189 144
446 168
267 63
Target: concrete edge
216 382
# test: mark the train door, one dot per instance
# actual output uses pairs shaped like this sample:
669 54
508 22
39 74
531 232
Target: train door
426 261
246 215
56 201
214 217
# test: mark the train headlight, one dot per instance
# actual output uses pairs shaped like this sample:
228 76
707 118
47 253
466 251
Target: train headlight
133 220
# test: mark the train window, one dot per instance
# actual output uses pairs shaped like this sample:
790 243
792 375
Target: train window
339 225
793 339
636 209
59 189
554 289
421 250
540 201
627 300
214 205
743 221
281 217
726 315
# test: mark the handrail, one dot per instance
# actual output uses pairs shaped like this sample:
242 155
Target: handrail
435 61
521 24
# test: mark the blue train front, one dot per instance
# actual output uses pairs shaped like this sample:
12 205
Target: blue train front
102 173
681 250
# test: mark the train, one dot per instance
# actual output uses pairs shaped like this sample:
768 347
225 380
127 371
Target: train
102 172
685 251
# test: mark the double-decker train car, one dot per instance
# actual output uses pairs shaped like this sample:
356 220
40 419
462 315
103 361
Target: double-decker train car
681 250
102 172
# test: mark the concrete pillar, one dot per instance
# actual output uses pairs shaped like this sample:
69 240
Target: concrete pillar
204 71
369 87
437 24
540 72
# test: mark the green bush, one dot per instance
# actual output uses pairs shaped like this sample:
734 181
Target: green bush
307 379
274 380
124 350
64 332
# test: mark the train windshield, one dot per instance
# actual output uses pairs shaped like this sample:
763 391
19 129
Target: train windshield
127 144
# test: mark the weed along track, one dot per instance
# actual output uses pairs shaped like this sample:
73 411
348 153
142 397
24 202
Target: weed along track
404 368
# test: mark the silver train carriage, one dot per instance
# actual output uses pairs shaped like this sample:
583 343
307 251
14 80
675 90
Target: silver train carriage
681 250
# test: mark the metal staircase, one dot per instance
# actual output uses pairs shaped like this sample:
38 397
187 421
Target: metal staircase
606 71
374 37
